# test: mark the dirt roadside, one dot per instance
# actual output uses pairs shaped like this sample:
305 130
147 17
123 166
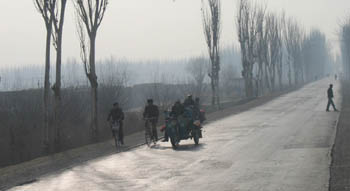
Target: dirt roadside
340 167
31 171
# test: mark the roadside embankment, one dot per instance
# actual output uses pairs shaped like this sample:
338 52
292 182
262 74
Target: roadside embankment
340 167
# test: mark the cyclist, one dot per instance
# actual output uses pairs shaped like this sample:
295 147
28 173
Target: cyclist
117 115
151 112
176 110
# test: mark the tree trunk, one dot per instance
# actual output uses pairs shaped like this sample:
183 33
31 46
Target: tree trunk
217 90
94 86
273 81
94 122
267 81
248 83
280 80
272 76
296 77
57 88
289 74
259 84
48 136
57 91
279 73
213 90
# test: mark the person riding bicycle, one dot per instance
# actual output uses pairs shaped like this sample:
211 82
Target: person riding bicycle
151 112
117 115
176 110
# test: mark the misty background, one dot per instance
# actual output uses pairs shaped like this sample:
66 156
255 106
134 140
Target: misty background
161 33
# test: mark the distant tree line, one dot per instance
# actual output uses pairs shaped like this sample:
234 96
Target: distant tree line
274 46
344 37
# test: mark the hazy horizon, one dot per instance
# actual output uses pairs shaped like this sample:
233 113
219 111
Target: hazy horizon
154 29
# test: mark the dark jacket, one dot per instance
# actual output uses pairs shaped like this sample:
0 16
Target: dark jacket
330 93
151 111
177 110
189 102
196 110
116 114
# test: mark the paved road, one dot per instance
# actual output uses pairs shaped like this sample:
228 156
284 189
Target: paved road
281 145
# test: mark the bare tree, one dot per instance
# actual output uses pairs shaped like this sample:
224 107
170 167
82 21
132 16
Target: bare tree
247 36
344 37
293 38
46 9
281 51
261 48
212 29
58 21
90 14
274 48
316 55
197 68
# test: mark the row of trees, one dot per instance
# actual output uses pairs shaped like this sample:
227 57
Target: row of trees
274 46
345 46
274 49
90 14
192 70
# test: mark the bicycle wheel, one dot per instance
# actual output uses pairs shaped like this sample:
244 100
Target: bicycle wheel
154 133
196 137
174 142
116 141
148 135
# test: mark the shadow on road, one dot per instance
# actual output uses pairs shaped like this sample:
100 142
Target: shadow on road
190 147
185 147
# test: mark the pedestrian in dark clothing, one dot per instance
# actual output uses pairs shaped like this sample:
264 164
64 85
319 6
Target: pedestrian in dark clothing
151 113
189 101
330 98
117 115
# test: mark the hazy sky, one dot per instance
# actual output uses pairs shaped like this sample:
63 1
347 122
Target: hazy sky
146 29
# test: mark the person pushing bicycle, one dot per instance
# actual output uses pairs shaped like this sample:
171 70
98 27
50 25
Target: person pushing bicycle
151 113
117 115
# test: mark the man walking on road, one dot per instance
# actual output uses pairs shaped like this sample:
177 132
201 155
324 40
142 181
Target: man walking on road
330 98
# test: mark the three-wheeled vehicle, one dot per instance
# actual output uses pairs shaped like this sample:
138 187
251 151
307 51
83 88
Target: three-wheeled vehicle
183 127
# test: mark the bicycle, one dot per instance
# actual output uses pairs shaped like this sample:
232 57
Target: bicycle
115 127
150 134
